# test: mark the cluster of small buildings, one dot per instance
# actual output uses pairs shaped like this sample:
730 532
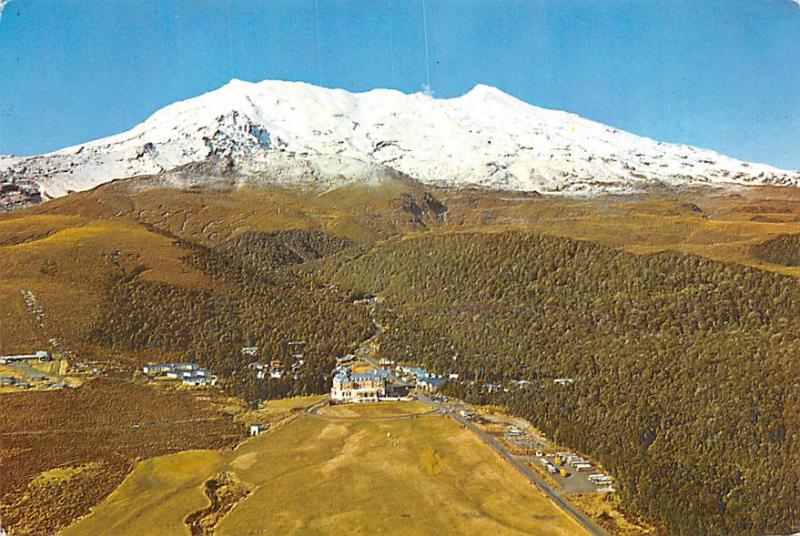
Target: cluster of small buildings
380 383
274 369
11 381
28 374
577 462
513 384
573 460
420 377
188 373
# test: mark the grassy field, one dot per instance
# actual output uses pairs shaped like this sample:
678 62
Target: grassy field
317 475
156 497
376 411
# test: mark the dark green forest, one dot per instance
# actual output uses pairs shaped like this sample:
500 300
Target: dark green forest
687 384
784 250
257 301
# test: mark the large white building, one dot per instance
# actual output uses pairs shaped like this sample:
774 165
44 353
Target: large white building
359 386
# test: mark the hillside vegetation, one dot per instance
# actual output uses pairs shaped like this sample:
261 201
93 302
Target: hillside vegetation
686 377
256 301
783 250
685 369
61 452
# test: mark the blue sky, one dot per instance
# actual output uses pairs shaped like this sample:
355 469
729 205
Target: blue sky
723 74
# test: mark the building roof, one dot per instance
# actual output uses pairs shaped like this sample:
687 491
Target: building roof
434 382
371 375
173 366
419 372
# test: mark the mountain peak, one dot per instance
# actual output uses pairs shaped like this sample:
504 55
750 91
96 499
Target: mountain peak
484 138
484 90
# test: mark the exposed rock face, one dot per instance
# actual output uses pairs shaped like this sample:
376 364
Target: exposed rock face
420 211
18 194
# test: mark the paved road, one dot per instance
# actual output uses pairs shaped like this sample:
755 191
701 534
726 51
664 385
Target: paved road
592 527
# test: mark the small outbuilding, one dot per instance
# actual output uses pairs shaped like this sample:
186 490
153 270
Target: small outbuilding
256 429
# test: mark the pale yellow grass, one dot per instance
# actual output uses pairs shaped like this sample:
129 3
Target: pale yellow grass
376 410
420 475
155 498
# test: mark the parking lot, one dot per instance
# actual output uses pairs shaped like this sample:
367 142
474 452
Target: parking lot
527 446
577 479
523 440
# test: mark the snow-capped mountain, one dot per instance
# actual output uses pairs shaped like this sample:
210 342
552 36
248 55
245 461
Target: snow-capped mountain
291 132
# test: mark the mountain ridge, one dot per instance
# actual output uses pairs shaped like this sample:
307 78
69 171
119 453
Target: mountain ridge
296 133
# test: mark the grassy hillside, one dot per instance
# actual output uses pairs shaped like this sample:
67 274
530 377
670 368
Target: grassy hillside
718 224
685 369
325 475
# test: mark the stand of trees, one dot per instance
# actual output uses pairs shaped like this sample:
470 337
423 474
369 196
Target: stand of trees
783 250
687 382
257 300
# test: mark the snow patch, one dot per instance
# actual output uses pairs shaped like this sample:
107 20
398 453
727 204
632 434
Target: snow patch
303 134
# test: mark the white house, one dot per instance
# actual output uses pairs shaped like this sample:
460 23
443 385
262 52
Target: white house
359 387
256 429
430 384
